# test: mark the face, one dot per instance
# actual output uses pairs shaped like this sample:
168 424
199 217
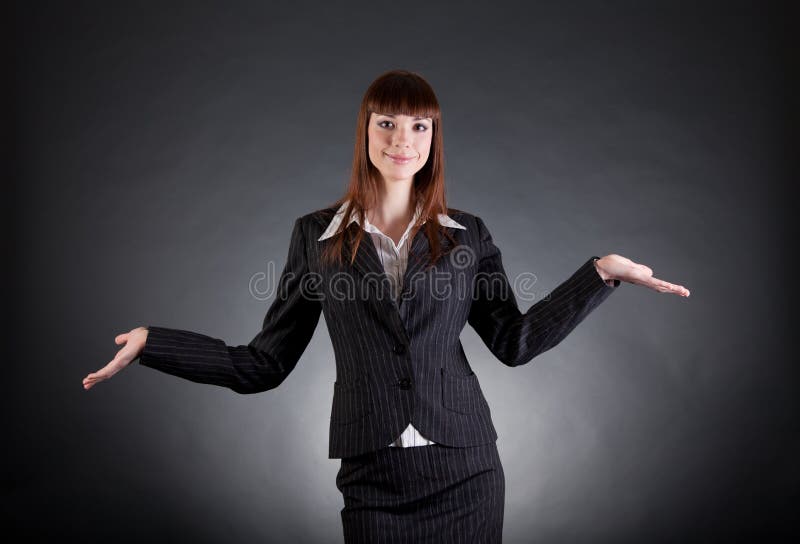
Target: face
399 145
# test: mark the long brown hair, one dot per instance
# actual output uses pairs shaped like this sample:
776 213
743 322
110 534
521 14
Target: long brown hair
406 93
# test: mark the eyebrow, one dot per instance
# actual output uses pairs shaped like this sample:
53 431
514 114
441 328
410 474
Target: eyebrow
415 118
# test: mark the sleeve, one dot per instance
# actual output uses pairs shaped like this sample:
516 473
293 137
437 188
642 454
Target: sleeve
515 337
268 359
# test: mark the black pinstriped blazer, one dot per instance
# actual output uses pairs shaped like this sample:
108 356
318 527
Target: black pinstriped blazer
396 361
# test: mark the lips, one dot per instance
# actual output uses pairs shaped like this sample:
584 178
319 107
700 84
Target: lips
399 158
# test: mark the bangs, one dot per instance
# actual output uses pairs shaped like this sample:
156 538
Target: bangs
400 95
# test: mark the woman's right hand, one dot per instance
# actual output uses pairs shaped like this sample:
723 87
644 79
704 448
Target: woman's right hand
134 344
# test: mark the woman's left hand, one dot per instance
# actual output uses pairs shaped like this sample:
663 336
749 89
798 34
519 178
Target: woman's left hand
617 267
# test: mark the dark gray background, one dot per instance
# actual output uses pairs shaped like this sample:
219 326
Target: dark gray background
163 150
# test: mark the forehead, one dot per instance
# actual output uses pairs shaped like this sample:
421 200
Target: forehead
400 115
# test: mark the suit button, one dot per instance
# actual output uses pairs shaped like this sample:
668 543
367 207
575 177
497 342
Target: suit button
399 349
405 383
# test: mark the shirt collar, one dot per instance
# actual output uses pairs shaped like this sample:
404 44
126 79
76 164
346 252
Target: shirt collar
444 219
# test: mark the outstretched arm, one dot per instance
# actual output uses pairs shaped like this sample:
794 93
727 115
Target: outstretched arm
260 365
515 337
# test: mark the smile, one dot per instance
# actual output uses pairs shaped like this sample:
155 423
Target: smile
399 159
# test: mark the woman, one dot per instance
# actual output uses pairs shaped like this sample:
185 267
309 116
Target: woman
409 420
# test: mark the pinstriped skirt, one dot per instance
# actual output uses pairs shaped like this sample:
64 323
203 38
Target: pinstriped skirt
423 494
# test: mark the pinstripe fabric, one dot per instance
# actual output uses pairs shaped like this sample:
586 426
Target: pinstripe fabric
434 494
394 259
396 362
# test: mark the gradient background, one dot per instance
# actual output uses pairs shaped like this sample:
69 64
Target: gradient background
162 151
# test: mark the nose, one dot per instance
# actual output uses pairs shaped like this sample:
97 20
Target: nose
401 137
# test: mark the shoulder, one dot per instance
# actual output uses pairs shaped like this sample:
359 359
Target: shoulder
322 216
471 221
314 223
477 232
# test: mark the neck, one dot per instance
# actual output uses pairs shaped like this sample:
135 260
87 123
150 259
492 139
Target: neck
396 204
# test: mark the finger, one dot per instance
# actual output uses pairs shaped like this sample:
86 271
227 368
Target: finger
667 287
104 373
93 377
91 381
678 289
121 338
657 284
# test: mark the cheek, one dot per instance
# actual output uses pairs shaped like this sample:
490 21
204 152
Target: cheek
425 146
371 144
375 142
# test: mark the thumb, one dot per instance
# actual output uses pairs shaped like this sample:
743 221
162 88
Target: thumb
121 338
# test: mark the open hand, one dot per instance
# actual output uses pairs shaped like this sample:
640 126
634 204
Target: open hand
618 267
134 343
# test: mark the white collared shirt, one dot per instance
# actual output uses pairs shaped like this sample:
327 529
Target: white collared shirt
395 259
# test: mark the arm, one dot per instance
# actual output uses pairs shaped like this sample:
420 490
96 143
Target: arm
269 357
515 337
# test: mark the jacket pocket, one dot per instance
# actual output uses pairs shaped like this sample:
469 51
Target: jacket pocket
352 401
460 393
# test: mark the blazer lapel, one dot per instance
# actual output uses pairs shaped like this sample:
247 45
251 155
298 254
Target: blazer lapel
417 261
368 263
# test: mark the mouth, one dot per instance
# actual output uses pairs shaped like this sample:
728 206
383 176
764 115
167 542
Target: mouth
399 159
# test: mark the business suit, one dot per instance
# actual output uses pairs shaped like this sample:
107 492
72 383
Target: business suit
396 361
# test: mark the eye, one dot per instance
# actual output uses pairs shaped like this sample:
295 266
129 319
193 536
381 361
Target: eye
419 127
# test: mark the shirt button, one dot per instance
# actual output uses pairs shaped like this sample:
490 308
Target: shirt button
399 349
405 383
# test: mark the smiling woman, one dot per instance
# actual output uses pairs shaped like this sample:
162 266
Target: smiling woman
399 145
409 420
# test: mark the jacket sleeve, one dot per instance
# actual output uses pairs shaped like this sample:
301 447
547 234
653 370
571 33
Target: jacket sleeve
269 357
515 337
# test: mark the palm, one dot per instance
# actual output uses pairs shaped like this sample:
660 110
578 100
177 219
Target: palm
624 269
133 342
